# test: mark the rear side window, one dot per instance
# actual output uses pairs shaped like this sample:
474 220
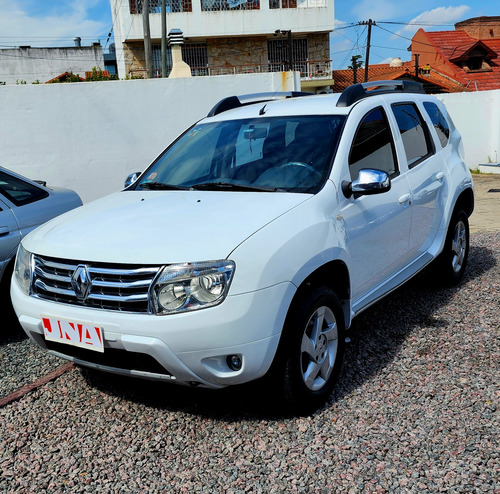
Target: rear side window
439 121
416 138
373 146
18 191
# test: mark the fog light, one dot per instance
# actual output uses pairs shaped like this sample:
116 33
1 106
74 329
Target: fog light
234 362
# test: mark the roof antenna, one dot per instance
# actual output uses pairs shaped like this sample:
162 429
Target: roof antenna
263 110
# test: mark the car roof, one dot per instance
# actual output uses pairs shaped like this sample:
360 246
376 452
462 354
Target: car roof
299 103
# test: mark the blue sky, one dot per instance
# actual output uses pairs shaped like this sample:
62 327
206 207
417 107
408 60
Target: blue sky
57 22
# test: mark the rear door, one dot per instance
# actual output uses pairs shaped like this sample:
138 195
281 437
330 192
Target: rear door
426 175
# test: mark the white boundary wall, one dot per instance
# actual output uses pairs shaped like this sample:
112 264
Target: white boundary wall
90 136
477 117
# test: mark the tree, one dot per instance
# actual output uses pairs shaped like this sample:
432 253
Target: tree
357 63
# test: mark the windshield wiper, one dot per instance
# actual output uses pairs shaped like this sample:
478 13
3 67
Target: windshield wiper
161 186
231 186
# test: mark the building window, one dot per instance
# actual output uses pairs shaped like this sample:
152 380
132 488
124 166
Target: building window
217 5
282 4
195 55
277 50
155 6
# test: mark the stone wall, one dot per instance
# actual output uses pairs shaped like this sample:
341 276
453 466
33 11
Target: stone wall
228 52
135 64
319 46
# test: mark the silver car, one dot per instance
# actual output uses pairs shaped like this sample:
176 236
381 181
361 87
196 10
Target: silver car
24 205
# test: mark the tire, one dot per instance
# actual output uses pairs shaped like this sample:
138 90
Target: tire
311 350
453 260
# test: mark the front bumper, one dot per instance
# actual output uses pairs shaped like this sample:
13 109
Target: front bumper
189 348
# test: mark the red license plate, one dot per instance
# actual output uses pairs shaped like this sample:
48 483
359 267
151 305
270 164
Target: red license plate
81 334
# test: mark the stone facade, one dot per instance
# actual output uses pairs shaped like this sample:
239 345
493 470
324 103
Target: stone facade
135 60
318 46
225 53
229 52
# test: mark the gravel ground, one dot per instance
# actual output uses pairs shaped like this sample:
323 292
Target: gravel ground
416 411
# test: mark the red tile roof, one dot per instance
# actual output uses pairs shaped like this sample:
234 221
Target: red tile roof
434 81
454 45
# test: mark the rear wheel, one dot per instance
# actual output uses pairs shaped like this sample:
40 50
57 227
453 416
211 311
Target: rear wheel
453 260
310 356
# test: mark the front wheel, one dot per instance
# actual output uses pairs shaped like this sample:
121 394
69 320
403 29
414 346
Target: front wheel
453 260
311 351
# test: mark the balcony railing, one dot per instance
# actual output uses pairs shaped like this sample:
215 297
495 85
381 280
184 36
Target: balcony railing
309 70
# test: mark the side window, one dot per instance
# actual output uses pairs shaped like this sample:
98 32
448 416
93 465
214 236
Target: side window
416 138
373 146
439 121
18 191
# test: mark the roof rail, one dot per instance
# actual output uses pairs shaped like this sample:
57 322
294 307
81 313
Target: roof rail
248 99
357 92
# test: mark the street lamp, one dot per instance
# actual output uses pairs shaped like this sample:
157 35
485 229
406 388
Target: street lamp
288 33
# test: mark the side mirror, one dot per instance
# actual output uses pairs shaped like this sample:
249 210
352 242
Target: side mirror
132 178
369 182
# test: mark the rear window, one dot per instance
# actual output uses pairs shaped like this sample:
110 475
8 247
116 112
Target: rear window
439 121
18 191
414 133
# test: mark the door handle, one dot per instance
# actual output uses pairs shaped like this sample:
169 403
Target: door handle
404 198
440 176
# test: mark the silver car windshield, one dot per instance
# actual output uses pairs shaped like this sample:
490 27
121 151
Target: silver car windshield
291 154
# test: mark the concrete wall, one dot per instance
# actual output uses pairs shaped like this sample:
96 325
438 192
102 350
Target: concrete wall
477 117
43 64
90 136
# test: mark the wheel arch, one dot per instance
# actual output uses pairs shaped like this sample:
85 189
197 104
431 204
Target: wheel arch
335 275
465 201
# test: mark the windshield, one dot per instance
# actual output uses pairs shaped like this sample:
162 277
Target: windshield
291 154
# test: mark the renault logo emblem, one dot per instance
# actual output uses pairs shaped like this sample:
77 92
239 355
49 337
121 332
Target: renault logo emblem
80 281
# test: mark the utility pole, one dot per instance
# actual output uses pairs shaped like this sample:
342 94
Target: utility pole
370 23
417 56
148 52
163 38
290 50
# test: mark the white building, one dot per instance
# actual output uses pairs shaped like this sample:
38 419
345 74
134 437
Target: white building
25 65
231 36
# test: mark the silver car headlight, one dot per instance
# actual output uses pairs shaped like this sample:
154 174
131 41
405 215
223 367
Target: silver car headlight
22 269
193 286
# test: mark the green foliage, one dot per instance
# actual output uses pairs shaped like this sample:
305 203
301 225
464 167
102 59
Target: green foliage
99 75
20 82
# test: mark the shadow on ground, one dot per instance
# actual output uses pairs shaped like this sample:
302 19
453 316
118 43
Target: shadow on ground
375 339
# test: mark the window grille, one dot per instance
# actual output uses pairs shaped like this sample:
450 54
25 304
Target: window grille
215 5
155 6
195 55
282 4
277 50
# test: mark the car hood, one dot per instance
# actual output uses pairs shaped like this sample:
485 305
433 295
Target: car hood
159 227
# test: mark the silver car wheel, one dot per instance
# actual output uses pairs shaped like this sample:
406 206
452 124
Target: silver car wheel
458 246
319 348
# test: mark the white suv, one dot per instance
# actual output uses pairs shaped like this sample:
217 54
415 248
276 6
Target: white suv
250 244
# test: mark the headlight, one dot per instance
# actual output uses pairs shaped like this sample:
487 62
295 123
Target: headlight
22 269
185 287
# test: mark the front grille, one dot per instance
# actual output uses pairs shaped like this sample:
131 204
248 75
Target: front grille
112 357
112 286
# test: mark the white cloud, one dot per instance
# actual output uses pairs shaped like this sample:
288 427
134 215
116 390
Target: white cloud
439 15
19 25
